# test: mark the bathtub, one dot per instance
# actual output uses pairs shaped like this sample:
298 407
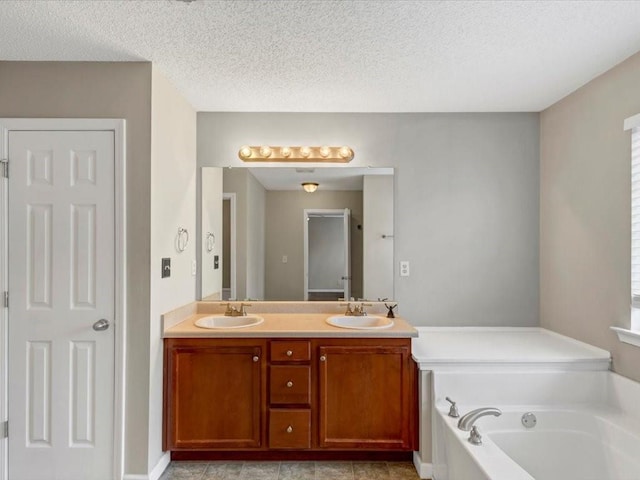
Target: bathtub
573 444
594 434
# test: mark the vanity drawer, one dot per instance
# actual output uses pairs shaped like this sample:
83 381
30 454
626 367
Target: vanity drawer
289 428
290 384
290 351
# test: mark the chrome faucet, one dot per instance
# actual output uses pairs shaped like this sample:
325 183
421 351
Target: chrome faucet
466 421
233 311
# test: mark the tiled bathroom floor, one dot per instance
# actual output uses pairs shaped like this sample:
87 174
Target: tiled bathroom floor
290 471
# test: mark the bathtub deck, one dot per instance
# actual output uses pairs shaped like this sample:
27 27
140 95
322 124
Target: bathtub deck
447 348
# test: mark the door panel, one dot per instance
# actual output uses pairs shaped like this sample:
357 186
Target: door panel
61 281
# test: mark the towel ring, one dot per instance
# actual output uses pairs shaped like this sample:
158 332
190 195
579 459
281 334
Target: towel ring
182 239
211 241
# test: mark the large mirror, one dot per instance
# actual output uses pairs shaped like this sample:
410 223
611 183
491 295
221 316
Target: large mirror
261 236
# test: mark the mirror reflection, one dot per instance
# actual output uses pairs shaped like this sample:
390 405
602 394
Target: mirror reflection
262 236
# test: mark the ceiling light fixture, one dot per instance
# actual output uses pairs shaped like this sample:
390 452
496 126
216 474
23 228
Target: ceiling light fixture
267 153
310 187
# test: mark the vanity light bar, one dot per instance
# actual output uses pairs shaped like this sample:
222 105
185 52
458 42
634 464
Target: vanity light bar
324 153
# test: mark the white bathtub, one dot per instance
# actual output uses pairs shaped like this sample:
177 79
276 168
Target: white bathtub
576 444
592 436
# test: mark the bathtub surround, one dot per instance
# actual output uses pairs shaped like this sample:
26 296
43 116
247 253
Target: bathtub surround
585 213
585 426
499 366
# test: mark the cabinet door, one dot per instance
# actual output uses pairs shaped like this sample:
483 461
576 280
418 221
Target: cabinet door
366 397
215 394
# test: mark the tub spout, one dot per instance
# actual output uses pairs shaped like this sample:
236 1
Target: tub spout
466 421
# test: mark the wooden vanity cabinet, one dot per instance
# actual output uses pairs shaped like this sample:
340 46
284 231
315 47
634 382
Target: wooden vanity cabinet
367 394
215 393
298 395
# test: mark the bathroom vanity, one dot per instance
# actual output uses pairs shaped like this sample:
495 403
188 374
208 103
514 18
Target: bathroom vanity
291 387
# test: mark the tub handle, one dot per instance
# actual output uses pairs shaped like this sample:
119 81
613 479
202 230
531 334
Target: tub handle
453 410
474 437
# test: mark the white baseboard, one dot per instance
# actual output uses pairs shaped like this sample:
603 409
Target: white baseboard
425 470
156 472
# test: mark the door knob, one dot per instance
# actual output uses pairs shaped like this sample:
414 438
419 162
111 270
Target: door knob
101 325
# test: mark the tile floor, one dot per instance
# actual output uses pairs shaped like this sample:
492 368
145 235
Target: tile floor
290 471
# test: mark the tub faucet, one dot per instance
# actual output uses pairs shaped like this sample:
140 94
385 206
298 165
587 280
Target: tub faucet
466 421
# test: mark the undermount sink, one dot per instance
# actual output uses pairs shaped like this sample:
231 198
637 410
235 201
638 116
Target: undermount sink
366 322
223 321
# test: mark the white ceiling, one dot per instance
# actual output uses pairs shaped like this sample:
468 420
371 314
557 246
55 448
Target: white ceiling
340 56
328 178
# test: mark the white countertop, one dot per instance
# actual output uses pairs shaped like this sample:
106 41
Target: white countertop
503 347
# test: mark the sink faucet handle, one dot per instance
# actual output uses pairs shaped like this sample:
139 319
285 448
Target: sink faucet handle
229 309
349 309
453 410
361 308
242 310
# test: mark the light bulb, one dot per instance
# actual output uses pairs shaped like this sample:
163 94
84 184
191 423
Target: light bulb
265 151
245 152
345 152
305 151
285 152
324 151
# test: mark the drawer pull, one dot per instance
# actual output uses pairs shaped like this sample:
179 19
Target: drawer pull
289 429
256 358
323 358
289 353
289 384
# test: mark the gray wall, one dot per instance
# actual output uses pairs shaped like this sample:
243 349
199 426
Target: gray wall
377 251
585 213
285 236
466 200
250 231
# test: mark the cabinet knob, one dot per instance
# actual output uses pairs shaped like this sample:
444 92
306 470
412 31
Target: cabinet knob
289 384
256 358
323 358
289 353
289 429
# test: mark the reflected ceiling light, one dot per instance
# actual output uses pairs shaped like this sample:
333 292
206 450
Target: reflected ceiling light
310 187
267 153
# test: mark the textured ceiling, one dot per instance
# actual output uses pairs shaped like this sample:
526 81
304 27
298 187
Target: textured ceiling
329 178
340 56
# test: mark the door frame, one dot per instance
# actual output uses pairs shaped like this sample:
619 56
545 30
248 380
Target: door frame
333 212
232 242
118 127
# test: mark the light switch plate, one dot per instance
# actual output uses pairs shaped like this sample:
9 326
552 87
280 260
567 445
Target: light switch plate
166 268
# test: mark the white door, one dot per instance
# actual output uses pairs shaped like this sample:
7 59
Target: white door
61 282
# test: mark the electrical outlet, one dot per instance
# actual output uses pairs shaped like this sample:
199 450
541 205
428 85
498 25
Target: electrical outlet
284 259
166 268
404 268
194 268
216 262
